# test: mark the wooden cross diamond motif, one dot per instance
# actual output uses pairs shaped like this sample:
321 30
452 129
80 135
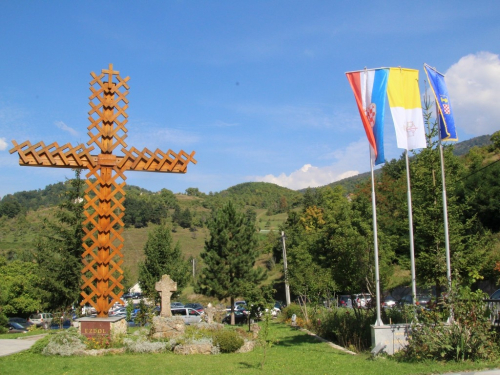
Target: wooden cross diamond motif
104 197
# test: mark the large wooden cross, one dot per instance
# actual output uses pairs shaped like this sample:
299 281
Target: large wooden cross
104 196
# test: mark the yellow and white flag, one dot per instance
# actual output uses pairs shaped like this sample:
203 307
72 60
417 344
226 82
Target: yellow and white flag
406 108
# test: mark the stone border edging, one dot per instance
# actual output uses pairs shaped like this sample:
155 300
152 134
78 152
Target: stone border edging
335 346
32 337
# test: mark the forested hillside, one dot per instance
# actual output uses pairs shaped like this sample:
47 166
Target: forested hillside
459 149
330 246
328 230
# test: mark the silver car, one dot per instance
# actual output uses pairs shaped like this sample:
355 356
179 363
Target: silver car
41 319
190 316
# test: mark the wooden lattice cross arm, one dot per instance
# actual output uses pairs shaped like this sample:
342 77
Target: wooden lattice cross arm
53 155
157 161
67 156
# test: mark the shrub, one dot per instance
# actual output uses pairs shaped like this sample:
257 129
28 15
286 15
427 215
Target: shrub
34 327
64 343
228 341
467 337
99 342
349 328
144 314
288 311
40 344
144 346
399 314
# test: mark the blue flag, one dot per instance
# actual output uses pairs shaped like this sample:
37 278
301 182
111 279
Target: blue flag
447 131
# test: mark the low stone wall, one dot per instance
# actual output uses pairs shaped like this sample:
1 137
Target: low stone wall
209 326
167 327
205 348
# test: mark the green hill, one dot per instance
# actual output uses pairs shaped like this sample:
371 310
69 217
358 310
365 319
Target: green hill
459 149
22 213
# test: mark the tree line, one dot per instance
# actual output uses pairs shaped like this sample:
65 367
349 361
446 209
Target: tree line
329 239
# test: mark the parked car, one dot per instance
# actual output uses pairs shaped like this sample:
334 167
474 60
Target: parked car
241 308
189 315
65 325
88 310
389 302
127 296
41 319
495 295
24 322
177 305
276 310
345 301
16 328
195 306
240 303
422 300
119 312
362 300
239 318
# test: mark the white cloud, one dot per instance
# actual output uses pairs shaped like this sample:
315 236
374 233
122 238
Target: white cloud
473 84
348 162
3 144
61 125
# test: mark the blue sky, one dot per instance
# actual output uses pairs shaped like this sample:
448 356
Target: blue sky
256 88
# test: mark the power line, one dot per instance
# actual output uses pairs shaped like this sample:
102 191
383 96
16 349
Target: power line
479 170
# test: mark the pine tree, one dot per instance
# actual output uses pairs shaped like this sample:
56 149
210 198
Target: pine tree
58 251
162 258
229 255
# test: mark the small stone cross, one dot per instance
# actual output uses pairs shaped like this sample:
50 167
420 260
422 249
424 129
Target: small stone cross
210 311
166 286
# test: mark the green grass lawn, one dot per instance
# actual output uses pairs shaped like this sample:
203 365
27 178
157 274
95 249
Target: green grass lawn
294 352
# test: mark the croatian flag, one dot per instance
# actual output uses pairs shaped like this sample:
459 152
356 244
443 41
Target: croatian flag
446 120
370 87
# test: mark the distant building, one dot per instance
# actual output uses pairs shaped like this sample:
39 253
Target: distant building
135 289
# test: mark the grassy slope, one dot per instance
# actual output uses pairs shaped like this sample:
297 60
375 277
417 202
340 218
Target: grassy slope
19 234
293 352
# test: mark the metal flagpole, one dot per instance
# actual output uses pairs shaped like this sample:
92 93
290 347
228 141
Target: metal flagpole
445 214
410 220
375 243
285 267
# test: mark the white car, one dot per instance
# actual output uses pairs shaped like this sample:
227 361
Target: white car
361 300
189 315
41 319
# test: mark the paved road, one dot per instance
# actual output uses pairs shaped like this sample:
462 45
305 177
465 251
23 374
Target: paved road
11 346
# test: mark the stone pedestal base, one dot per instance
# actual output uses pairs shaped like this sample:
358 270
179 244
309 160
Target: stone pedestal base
168 327
110 327
393 336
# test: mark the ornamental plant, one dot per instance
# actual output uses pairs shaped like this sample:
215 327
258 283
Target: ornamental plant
467 336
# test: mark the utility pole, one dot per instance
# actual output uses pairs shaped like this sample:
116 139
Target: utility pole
194 266
285 267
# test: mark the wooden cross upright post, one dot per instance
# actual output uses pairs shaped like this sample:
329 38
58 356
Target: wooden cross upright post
104 196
